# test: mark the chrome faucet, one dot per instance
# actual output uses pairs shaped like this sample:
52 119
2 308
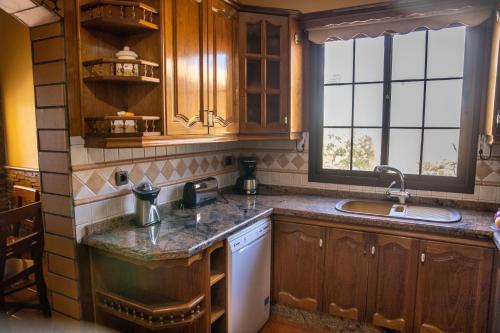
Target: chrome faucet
402 195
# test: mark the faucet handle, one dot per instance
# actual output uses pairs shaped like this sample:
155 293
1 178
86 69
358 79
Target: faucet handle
388 189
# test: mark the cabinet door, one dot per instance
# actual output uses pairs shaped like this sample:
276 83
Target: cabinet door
185 33
346 273
298 262
453 288
264 73
392 282
222 34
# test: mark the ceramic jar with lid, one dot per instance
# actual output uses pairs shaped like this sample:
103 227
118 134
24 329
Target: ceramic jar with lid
127 69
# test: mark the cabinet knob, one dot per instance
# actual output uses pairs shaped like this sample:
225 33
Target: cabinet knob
321 242
422 258
373 250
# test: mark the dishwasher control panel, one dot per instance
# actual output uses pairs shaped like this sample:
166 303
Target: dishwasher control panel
250 234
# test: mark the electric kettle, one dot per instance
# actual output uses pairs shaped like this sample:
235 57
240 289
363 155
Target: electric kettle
146 210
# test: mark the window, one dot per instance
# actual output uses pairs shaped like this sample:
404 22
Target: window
403 100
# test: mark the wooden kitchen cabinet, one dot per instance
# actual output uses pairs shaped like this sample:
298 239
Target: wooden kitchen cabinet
270 75
223 70
200 48
298 265
453 288
392 282
346 273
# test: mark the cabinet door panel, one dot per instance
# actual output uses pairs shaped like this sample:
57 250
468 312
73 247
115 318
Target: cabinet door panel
222 67
392 283
184 51
298 262
346 273
453 288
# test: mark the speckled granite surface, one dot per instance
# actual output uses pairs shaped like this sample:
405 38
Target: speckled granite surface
183 233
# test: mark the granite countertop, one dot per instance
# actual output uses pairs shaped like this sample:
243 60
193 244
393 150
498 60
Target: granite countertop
183 233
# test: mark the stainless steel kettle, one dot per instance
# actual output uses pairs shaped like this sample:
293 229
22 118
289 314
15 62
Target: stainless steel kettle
146 210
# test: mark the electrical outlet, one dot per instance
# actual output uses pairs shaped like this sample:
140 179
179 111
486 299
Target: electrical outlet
227 160
121 178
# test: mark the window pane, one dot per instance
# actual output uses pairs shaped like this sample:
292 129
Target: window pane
336 148
272 109
404 149
407 99
253 74
443 103
338 105
366 148
253 37
440 155
338 61
368 104
446 53
370 59
408 56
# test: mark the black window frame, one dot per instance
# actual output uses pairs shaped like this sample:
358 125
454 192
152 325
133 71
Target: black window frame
477 49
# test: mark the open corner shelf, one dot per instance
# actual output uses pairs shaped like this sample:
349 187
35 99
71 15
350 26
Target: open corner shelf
216 313
123 79
216 277
119 17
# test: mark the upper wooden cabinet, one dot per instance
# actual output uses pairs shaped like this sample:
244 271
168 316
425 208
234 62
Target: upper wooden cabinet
298 262
270 74
200 51
453 288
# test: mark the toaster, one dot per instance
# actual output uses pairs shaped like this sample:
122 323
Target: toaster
200 192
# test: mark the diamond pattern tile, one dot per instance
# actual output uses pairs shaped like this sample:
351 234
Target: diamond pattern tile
298 161
282 160
268 160
152 172
204 164
181 168
193 166
136 174
167 170
483 169
95 182
77 185
215 163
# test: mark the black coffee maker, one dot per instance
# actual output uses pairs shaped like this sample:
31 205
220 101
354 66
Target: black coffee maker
247 183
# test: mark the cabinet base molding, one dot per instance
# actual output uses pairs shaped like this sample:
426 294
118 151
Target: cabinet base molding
304 303
395 324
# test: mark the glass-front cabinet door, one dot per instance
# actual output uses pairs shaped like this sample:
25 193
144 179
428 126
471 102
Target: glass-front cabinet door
264 75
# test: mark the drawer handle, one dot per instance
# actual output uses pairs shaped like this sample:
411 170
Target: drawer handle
422 258
373 250
321 242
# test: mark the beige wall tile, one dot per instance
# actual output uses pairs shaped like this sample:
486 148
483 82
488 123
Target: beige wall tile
51 118
66 305
62 266
60 245
57 204
95 155
56 183
54 162
53 140
48 50
49 73
53 95
46 31
62 285
59 225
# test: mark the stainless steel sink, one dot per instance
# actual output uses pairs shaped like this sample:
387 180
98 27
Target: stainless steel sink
406 211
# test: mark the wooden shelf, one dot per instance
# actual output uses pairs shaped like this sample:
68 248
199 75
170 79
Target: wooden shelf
216 277
216 313
119 17
119 61
123 79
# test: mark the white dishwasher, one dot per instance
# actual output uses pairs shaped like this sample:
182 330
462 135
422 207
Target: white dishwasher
249 280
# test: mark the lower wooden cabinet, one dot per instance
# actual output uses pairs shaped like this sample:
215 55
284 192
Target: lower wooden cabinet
298 265
453 288
401 283
346 273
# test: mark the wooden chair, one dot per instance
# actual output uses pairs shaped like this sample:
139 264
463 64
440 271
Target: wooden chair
14 269
24 195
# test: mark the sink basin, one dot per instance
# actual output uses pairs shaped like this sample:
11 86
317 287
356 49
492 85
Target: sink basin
407 211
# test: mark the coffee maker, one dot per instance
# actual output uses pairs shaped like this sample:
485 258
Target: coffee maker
247 183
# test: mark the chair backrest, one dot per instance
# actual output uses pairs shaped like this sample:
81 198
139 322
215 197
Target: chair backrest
25 195
32 242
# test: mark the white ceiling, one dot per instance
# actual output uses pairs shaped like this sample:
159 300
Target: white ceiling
308 6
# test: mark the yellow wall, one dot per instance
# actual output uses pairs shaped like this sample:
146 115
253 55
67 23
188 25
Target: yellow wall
307 6
17 97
